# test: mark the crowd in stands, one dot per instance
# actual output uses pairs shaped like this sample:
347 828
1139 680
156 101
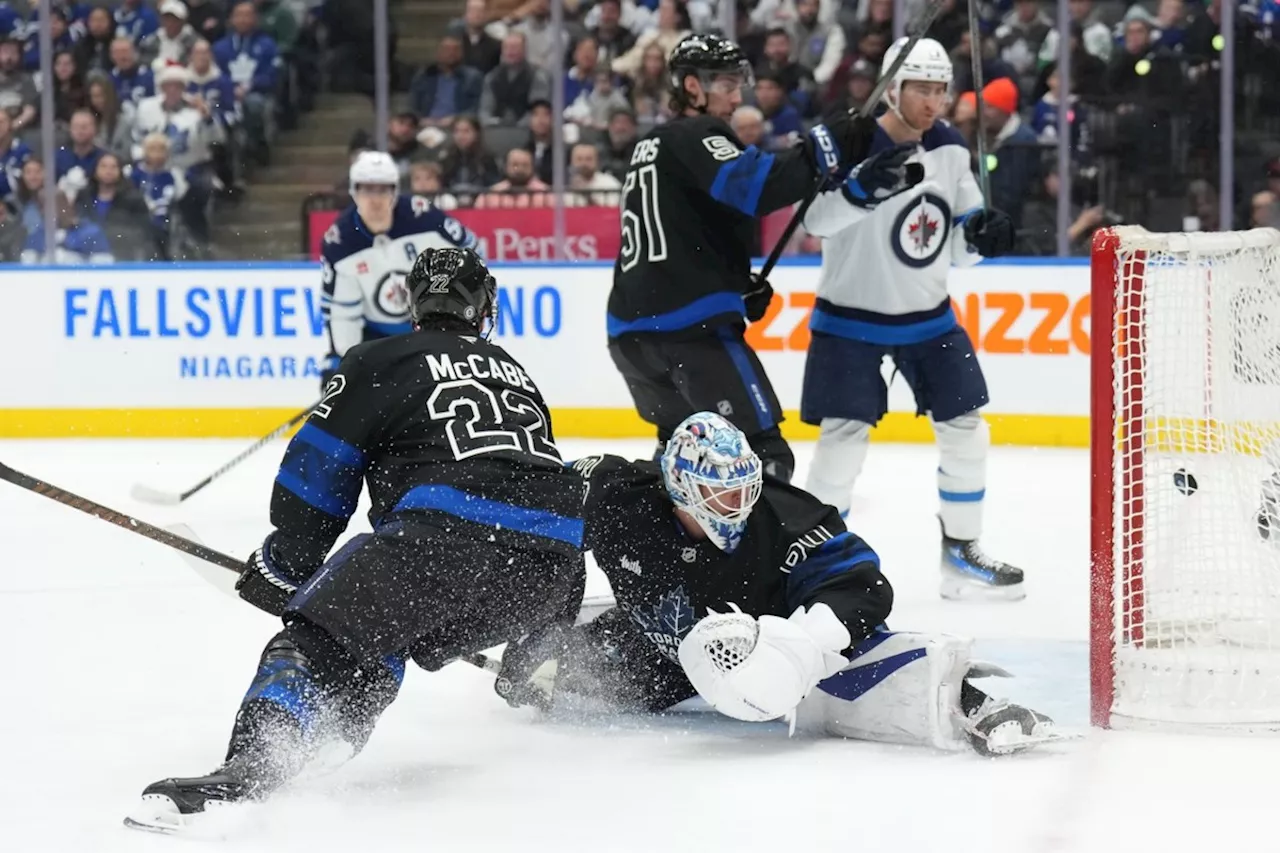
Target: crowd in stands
1143 103
160 110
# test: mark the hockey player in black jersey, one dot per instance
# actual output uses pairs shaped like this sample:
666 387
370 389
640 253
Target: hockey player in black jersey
682 283
477 531
752 593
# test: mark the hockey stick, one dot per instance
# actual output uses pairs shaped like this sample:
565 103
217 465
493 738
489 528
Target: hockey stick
975 57
155 496
918 28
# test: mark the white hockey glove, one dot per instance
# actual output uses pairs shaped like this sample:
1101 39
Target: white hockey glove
759 669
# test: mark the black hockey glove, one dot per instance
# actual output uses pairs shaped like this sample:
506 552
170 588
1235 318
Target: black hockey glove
990 232
884 175
839 144
264 585
757 299
528 671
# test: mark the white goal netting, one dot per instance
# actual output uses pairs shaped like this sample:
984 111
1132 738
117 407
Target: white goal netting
1196 515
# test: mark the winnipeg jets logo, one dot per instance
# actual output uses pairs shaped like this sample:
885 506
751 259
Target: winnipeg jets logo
921 229
391 295
667 622
631 565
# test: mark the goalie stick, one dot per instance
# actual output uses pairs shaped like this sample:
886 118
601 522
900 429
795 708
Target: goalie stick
147 494
917 29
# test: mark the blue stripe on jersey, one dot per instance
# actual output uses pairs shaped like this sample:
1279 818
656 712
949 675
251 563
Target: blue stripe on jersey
962 497
960 218
326 299
755 389
881 333
535 522
849 684
681 318
834 557
387 330
324 471
740 181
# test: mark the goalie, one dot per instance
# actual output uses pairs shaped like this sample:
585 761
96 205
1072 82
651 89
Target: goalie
797 605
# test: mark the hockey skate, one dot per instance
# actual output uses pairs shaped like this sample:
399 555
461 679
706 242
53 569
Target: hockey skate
970 575
181 805
998 728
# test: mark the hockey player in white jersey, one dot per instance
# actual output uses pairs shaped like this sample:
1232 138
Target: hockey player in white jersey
368 252
883 292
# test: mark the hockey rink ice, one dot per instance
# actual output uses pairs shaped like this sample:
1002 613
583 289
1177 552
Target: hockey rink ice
121 666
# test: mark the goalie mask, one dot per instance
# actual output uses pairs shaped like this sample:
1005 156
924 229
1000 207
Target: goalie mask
712 473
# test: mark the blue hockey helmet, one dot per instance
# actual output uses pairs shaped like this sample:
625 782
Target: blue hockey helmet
712 473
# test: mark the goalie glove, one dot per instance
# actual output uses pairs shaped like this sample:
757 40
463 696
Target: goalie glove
759 669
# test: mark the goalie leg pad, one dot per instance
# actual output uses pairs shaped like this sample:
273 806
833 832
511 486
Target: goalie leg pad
837 461
898 688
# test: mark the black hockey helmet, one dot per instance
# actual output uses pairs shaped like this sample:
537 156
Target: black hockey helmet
451 283
704 55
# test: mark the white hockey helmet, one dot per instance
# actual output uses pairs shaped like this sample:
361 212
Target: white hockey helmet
712 473
374 167
928 61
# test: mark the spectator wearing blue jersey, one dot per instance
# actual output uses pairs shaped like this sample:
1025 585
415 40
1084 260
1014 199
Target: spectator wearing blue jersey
783 122
59 32
249 57
81 152
78 241
443 91
162 189
12 22
135 21
133 82
113 203
93 50
13 151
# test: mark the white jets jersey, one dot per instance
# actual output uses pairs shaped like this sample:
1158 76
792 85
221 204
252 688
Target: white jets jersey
364 296
884 268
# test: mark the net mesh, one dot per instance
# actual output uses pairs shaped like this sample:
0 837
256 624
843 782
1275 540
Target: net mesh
1196 349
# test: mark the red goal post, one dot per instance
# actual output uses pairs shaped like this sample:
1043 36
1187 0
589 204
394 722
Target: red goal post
1185 589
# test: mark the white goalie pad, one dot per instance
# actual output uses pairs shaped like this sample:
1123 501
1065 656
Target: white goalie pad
900 688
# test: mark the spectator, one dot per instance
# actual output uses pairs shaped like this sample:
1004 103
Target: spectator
30 194
872 44
592 109
1141 75
1018 38
1040 225
480 50
112 202
1088 72
69 93
1044 119
79 157
13 236
539 142
1095 35
58 32
861 80
18 96
964 118
1171 22
277 20
673 25
207 82
748 125
816 46
1012 146
134 21
425 180
209 18
993 67
769 14
441 92
115 124
133 81
13 153
1202 207
93 51
783 123
595 188
249 57
1264 210
539 41
162 189
952 21
794 78
619 143
513 86
402 141
612 39
173 41
468 166
78 241
580 78
649 96
520 187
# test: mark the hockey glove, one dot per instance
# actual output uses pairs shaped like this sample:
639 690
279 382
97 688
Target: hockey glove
883 176
264 585
756 300
990 232
837 145
528 674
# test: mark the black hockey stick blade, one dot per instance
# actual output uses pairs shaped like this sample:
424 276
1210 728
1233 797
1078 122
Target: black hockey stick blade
146 494
119 519
917 29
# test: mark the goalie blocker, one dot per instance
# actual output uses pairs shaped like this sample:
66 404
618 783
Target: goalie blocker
756 597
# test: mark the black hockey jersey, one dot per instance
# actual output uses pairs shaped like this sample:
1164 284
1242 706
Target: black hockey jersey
795 552
690 201
437 423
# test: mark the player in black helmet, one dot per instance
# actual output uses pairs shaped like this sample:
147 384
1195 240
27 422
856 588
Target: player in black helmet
682 283
477 530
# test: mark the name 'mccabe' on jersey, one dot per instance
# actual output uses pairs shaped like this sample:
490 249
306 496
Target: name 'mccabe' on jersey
796 551
438 424
884 268
363 274
689 203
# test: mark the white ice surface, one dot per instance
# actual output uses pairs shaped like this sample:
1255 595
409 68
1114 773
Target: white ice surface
121 667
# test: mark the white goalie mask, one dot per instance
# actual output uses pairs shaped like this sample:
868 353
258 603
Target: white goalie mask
928 62
712 473
375 168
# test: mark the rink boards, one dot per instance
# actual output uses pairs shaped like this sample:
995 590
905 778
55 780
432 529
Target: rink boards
227 350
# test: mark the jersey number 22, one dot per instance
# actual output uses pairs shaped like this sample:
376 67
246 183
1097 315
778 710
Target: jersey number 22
481 421
649 221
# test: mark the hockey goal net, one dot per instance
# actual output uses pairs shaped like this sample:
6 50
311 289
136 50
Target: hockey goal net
1186 513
